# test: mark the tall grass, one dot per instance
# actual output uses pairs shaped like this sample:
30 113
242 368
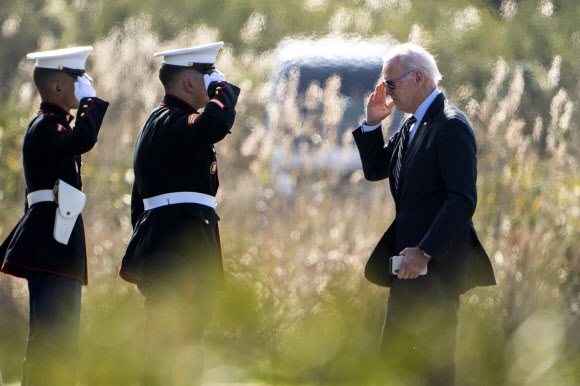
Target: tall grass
297 309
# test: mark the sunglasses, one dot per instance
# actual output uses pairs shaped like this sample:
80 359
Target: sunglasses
390 83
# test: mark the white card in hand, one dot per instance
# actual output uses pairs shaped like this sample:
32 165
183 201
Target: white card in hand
395 265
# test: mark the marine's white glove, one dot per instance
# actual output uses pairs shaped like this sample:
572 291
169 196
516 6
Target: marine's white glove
83 88
213 77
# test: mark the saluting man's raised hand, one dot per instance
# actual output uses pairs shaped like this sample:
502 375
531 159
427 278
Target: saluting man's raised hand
378 108
83 88
213 77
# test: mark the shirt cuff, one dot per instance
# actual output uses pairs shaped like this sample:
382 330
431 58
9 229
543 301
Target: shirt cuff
366 128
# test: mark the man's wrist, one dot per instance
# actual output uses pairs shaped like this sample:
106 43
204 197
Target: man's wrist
366 127
425 253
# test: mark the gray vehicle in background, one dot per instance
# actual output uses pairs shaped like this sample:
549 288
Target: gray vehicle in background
319 93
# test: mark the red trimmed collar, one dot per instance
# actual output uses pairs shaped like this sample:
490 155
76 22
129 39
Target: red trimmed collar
51 108
173 102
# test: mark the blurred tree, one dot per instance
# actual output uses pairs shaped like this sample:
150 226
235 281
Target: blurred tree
513 65
23 24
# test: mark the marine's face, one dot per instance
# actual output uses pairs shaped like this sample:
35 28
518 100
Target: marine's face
67 89
199 97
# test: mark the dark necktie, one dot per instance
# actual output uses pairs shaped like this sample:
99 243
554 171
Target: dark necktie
403 145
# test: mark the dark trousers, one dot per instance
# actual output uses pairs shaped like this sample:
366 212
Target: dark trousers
419 334
52 345
177 317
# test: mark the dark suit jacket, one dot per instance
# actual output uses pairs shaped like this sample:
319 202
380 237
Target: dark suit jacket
436 199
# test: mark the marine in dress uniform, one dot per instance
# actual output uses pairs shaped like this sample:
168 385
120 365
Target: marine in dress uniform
174 255
55 267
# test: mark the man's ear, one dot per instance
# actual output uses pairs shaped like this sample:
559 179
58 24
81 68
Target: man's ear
187 84
419 76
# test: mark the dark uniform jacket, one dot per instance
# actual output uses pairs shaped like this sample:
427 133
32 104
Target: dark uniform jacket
174 152
436 199
51 151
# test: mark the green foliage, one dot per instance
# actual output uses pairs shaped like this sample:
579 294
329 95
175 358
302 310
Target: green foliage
297 309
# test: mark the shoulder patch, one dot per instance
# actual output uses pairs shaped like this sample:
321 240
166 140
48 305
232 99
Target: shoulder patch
60 128
192 118
219 103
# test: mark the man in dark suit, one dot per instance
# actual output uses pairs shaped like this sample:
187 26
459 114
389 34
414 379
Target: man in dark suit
55 267
174 256
431 165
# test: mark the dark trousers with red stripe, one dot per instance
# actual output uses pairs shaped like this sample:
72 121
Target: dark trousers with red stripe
52 345
177 317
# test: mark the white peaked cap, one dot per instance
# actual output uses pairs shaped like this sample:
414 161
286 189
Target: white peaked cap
188 57
68 58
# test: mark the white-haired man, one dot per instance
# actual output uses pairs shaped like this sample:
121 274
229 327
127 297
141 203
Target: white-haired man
431 165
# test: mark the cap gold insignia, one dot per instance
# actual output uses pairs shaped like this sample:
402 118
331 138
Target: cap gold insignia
60 68
213 168
190 64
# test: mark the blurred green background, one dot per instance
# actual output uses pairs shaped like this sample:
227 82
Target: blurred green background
298 310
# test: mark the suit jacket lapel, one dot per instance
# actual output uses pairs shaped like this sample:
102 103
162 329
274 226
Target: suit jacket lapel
423 127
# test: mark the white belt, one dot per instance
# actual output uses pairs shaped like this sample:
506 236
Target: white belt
179 198
40 196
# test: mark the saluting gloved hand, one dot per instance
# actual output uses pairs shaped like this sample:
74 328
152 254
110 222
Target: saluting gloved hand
213 77
83 88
